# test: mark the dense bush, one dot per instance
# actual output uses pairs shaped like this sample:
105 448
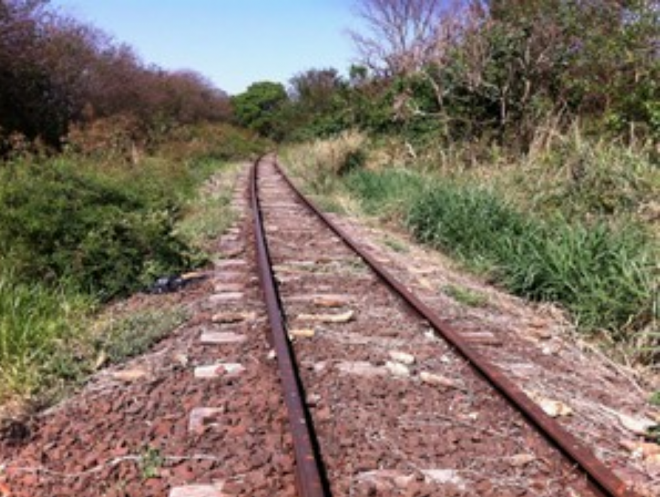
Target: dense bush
105 233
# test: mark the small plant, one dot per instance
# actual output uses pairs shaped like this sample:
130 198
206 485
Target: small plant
396 245
151 461
654 399
466 296
135 333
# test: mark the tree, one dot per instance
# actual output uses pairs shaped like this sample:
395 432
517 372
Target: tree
57 73
401 34
499 68
259 108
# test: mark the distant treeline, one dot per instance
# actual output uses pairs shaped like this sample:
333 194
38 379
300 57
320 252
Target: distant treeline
491 70
58 74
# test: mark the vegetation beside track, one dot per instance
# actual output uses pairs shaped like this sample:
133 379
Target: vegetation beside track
78 231
589 244
101 159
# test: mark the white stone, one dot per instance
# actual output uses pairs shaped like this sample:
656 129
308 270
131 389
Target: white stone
200 417
443 476
361 368
397 369
402 357
212 490
221 337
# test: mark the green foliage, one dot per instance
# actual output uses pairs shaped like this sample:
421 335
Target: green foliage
466 296
34 320
497 77
586 179
258 108
602 275
105 233
318 105
204 143
133 334
385 193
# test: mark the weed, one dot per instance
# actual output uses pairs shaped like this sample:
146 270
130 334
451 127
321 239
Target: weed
654 399
466 296
330 204
34 320
396 245
135 333
209 214
322 162
151 461
385 193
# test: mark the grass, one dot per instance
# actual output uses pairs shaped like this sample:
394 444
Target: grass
208 214
654 399
396 245
466 296
321 163
76 231
34 321
583 233
134 333
385 193
602 275
151 462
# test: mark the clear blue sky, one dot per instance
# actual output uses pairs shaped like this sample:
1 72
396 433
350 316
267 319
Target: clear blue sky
232 42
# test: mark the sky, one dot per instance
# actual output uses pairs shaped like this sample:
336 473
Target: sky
231 42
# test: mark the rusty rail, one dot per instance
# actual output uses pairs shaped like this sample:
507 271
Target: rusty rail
310 477
603 481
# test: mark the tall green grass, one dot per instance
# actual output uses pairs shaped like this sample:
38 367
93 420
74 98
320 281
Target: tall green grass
385 193
34 321
602 275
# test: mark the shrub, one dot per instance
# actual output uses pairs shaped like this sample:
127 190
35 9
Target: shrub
585 178
106 232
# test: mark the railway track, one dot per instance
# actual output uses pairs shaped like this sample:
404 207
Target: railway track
383 396
379 398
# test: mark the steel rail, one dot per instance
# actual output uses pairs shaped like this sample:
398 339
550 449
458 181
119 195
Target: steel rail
602 479
310 475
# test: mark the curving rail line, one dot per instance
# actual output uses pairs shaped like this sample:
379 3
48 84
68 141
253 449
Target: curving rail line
310 472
